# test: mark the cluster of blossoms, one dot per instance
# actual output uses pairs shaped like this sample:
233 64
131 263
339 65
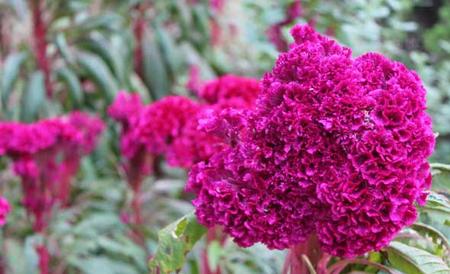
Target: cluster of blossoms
5 208
169 126
335 146
46 155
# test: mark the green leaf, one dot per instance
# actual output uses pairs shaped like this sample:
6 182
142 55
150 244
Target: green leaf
124 247
184 18
439 204
155 74
98 71
413 260
174 242
106 21
169 52
215 252
103 265
67 76
200 17
33 97
63 47
10 73
97 223
441 177
112 56
432 232
14 256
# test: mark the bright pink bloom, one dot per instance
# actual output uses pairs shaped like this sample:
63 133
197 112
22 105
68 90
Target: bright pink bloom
46 156
335 146
169 127
230 91
5 208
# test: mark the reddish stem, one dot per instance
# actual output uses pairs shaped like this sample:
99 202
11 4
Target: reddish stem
136 206
44 259
40 42
137 218
274 32
294 263
2 265
138 31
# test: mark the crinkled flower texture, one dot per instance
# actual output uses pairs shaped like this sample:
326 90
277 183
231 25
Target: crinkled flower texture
169 126
5 208
46 155
230 91
335 146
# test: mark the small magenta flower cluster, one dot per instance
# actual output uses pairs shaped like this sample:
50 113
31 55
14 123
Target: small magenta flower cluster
46 155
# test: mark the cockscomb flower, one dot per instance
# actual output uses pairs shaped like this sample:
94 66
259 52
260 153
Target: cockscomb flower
230 91
162 121
46 155
335 147
5 208
168 127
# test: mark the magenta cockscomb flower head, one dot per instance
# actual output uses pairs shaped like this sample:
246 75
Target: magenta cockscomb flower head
163 121
335 147
46 156
5 208
230 91
168 127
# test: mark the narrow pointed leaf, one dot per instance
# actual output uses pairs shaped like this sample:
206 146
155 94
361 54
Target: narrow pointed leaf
10 73
155 74
441 177
413 260
98 71
73 85
436 235
33 97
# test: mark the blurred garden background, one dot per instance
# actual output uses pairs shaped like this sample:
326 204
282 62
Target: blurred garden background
57 56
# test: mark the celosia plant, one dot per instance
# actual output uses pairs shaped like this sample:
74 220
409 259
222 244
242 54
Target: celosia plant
336 148
5 208
46 156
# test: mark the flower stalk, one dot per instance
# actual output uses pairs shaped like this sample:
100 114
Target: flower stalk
40 43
